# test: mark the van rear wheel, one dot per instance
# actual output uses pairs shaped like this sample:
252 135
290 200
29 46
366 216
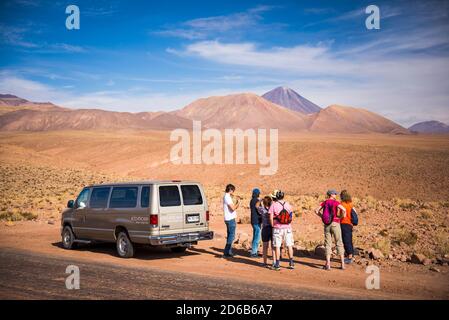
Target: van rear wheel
178 249
125 247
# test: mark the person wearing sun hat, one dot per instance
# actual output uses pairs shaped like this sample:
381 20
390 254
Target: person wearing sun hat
331 212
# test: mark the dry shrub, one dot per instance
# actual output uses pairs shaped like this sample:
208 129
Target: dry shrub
404 236
444 204
442 242
370 203
426 214
405 204
307 203
17 216
245 219
384 246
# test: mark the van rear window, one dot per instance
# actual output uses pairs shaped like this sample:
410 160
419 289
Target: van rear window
123 197
99 197
191 195
169 196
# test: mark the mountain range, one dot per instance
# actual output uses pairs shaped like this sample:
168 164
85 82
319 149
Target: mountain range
289 112
430 127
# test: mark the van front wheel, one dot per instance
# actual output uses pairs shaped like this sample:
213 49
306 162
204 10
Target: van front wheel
68 238
178 249
125 248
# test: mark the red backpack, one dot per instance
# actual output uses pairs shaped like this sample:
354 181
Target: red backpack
284 217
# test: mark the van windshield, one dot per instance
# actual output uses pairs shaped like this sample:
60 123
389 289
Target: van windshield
82 198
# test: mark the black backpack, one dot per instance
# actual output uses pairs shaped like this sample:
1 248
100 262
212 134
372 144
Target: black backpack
354 217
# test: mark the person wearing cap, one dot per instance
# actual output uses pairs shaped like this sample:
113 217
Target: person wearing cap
282 232
256 220
333 230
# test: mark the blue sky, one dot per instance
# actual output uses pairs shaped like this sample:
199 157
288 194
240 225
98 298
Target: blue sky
162 55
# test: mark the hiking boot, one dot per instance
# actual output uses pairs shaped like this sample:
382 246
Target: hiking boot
348 261
327 267
254 255
291 265
276 268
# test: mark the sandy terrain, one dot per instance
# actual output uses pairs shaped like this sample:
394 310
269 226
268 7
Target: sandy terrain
205 259
399 183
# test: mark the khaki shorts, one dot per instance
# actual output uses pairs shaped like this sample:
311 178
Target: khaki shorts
333 231
282 235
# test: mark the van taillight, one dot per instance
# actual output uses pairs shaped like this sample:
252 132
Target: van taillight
207 215
153 219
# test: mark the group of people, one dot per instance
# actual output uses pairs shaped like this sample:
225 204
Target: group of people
271 220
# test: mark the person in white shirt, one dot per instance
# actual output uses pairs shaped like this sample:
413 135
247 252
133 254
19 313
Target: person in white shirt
230 215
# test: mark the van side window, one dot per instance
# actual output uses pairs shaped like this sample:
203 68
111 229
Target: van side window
123 197
191 195
145 197
169 196
83 197
99 197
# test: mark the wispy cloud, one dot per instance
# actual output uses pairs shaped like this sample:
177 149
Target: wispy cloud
15 36
132 100
202 28
395 75
357 14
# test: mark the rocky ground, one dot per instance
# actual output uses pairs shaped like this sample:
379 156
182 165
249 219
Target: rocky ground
398 184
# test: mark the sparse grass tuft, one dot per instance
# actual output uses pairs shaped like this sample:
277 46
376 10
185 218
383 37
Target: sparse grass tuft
404 236
384 246
426 214
17 216
442 242
405 204
245 219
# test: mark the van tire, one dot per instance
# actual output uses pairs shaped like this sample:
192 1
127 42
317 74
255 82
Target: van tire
125 247
178 249
68 238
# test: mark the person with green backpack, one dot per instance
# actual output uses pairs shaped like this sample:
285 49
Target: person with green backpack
281 215
331 212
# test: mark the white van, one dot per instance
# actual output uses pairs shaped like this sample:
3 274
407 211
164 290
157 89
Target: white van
174 214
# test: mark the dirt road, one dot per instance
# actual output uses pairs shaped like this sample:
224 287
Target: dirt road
24 275
33 264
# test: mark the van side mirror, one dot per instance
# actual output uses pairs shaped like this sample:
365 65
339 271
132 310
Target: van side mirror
70 204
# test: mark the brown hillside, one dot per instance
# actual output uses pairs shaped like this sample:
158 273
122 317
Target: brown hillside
243 111
87 119
342 119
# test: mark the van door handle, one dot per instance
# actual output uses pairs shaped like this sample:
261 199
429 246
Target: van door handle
165 226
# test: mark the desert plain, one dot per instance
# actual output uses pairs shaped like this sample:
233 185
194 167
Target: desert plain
399 184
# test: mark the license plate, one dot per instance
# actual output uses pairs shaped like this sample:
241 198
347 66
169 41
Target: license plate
193 219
